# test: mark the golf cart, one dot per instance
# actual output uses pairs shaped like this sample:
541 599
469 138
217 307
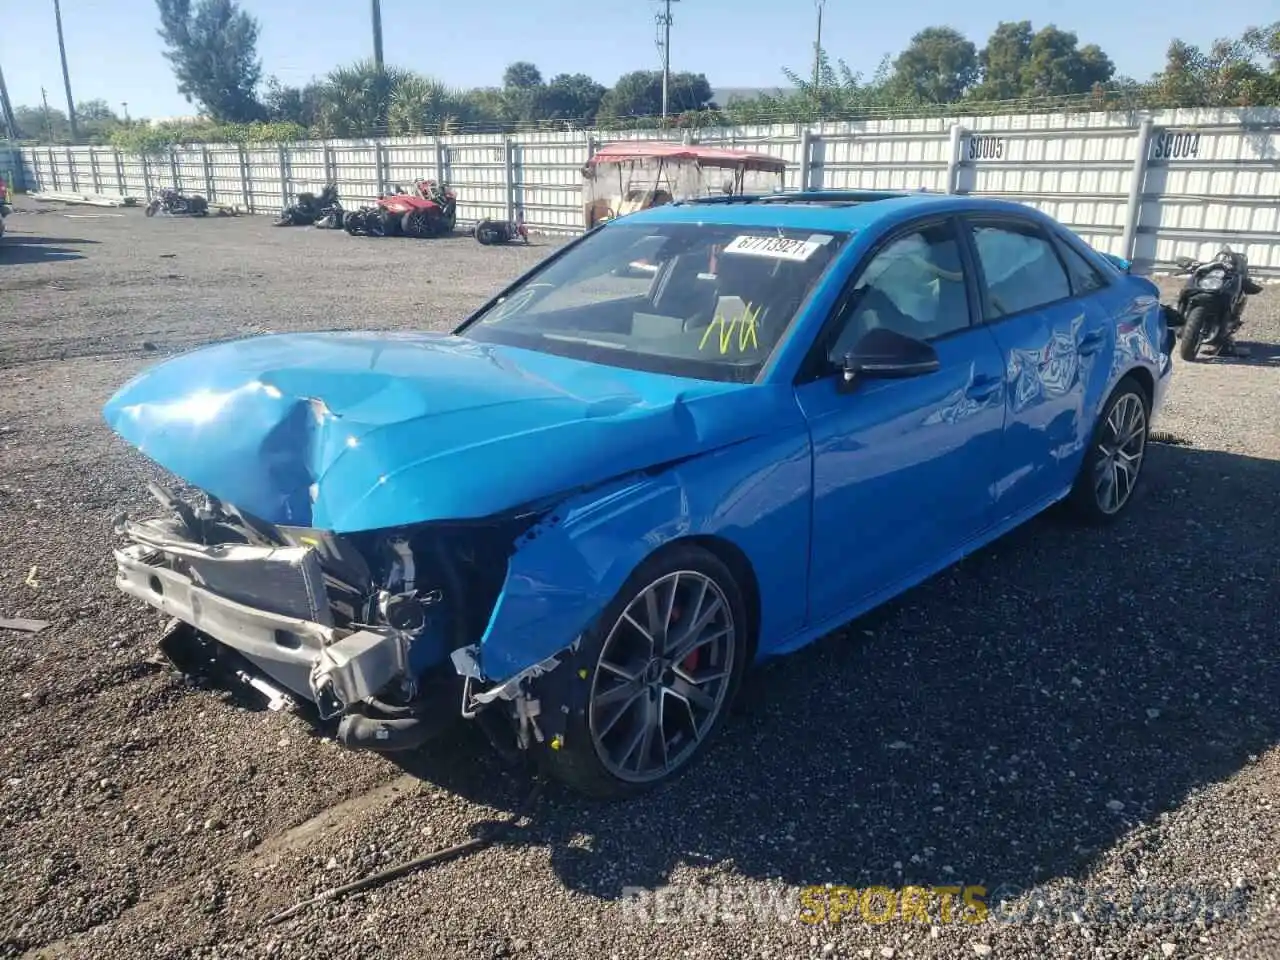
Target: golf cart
631 175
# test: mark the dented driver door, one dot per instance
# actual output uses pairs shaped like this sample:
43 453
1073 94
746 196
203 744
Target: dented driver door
902 468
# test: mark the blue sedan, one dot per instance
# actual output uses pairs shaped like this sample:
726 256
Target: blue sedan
697 436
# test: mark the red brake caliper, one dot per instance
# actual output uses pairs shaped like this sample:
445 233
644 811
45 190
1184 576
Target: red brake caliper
689 663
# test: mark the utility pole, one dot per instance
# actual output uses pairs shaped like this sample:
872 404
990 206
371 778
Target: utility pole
377 34
66 77
48 127
125 104
664 42
817 49
6 111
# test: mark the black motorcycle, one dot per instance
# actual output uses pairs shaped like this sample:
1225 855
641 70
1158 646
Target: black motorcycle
311 209
172 202
492 232
1211 302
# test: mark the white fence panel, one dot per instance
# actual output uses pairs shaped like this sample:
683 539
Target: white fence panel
477 168
1151 187
548 176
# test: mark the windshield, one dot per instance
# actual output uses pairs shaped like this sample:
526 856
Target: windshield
699 300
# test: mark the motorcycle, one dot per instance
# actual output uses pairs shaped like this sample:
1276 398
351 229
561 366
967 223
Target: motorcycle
365 222
431 210
1211 302
491 232
172 202
309 209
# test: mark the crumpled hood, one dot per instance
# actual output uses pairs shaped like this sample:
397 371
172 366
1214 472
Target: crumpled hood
353 431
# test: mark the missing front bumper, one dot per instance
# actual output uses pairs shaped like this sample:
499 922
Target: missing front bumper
279 619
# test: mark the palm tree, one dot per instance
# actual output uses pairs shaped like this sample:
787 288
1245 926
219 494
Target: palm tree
421 104
356 100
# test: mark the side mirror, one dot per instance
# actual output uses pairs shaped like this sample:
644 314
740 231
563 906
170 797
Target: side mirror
884 354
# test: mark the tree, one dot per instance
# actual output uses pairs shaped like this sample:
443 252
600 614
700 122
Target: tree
1241 72
1002 61
1057 66
639 94
37 123
573 97
938 66
355 100
420 104
285 104
213 49
523 92
521 75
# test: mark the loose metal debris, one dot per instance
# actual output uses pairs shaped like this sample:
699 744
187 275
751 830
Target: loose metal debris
22 624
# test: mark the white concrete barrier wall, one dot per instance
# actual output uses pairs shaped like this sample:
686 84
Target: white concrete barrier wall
1151 186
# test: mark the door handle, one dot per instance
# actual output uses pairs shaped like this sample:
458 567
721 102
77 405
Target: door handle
983 388
1091 342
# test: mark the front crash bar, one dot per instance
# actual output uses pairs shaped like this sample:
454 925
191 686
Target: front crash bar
315 660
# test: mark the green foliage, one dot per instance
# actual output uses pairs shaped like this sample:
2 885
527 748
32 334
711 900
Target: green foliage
213 49
285 104
639 94
142 137
95 119
1232 73
938 66
1019 69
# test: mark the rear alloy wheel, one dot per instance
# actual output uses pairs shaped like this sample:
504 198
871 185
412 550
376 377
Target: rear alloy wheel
668 655
1113 464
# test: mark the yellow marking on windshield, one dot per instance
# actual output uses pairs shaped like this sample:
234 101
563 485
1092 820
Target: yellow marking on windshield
746 325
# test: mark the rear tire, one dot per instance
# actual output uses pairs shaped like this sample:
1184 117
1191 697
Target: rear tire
1193 332
1112 465
628 691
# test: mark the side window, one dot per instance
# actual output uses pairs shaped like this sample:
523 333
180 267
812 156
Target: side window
914 286
1022 270
1085 278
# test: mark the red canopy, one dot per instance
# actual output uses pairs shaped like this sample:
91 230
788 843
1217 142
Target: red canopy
624 150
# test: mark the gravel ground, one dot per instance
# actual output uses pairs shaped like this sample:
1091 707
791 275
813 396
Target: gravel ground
1063 715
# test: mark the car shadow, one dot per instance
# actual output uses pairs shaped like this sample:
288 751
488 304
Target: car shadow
25 248
1003 724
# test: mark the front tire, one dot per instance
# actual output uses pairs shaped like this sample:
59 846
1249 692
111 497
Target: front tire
1193 330
654 677
1117 452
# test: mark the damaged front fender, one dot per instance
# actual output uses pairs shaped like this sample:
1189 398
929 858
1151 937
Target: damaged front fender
565 570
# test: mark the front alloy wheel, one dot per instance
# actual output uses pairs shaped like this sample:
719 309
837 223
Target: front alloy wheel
668 654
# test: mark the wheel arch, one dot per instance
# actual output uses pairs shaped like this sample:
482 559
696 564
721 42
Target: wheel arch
739 564
1145 381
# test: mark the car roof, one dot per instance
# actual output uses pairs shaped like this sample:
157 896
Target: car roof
841 210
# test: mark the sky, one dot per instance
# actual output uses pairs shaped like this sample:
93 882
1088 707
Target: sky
114 53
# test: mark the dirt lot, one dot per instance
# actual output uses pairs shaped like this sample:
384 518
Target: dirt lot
1095 714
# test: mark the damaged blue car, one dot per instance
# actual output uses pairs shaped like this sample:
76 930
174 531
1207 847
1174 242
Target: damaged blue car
695 437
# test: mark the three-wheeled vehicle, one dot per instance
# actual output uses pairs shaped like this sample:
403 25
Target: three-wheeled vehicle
631 175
